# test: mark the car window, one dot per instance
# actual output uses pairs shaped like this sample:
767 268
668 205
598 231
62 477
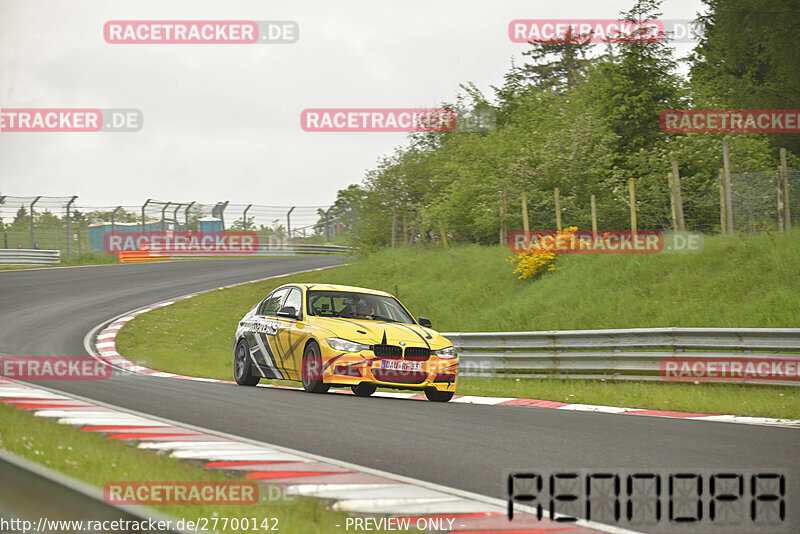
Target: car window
294 299
354 305
272 302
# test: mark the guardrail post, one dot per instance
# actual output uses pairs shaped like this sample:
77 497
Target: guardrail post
32 204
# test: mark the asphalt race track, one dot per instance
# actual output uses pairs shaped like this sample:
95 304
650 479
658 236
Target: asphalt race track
466 446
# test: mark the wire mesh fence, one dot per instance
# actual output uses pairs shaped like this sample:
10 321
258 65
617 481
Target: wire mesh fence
63 223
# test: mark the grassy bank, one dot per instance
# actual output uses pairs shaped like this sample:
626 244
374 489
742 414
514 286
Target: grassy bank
97 460
735 282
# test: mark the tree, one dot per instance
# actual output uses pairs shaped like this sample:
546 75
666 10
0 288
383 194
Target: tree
748 57
558 64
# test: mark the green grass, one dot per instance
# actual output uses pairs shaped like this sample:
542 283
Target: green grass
94 459
736 281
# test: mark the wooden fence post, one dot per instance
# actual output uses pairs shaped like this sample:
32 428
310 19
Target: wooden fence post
594 218
632 192
726 160
722 223
781 214
787 212
525 223
678 196
673 212
444 234
558 209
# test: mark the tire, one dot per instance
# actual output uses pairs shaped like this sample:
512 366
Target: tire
312 369
434 395
242 365
364 389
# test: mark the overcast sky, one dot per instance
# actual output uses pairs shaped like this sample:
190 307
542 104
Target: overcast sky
221 122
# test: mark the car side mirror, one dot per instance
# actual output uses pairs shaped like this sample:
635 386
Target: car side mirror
423 321
288 311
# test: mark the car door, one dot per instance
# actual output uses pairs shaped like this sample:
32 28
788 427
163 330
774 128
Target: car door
292 334
264 344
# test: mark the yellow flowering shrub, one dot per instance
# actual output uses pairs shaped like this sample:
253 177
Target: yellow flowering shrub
539 259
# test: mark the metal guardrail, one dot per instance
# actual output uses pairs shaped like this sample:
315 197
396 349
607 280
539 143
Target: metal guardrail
264 249
29 256
270 249
32 492
632 354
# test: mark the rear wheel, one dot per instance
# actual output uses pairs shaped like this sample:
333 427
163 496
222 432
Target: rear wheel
434 395
312 370
364 389
242 365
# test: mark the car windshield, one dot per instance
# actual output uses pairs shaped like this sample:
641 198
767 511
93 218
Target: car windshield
352 305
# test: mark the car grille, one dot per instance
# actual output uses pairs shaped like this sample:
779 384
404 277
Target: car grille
405 377
418 354
388 351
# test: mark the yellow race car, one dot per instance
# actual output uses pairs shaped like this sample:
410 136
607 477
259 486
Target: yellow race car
330 335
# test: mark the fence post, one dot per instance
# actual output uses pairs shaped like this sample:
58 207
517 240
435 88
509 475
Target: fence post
69 226
32 204
780 199
632 193
726 160
594 218
678 196
673 211
186 214
444 234
722 212
288 224
558 209
526 225
244 216
143 207
163 219
503 215
394 227
787 212
113 216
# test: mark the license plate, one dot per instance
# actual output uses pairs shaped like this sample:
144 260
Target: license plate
400 365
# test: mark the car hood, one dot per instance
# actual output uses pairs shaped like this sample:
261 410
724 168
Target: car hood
377 332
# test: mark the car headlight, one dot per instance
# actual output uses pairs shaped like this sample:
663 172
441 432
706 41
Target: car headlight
447 353
344 345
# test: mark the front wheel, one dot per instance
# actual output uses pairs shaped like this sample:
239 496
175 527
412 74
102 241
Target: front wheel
312 370
434 395
241 365
364 389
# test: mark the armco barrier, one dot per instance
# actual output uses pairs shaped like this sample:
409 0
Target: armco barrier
627 354
264 249
24 256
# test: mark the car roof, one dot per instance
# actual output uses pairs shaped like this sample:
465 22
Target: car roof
352 289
